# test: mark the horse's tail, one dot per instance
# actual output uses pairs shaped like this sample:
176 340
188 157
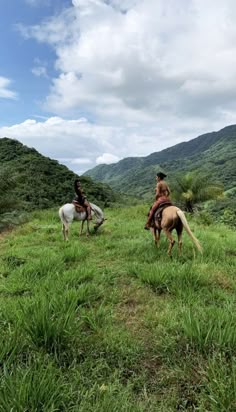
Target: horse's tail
188 230
63 217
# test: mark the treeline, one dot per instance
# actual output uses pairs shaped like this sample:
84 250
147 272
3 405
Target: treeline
30 181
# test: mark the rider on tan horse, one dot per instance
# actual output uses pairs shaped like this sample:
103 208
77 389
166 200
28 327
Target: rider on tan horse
164 216
162 198
80 200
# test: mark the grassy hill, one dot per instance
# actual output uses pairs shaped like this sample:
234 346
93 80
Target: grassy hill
214 153
111 323
40 182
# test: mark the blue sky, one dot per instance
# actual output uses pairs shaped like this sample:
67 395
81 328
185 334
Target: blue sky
93 81
19 56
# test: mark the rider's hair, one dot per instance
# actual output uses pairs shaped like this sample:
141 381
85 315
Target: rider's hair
75 185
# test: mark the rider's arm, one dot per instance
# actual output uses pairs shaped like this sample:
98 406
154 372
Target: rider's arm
157 191
168 190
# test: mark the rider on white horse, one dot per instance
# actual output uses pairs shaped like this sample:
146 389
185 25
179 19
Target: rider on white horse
68 213
81 200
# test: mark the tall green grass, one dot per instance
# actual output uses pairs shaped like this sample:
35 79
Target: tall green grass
211 330
111 323
39 387
220 385
48 323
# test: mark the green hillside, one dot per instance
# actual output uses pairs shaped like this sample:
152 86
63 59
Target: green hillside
40 182
214 153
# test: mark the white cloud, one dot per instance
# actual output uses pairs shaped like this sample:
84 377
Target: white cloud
80 144
40 68
122 5
76 143
148 73
55 30
5 92
39 71
157 57
80 161
107 158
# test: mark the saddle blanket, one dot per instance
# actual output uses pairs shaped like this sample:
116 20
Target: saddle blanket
161 207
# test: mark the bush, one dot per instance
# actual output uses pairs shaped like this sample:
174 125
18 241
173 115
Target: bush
228 217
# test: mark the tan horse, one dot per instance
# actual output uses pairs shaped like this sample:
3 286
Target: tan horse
173 218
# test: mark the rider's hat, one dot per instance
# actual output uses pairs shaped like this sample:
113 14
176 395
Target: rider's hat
161 175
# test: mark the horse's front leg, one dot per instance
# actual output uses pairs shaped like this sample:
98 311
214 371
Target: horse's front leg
87 232
81 228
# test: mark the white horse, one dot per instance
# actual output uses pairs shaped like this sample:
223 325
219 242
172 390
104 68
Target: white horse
68 213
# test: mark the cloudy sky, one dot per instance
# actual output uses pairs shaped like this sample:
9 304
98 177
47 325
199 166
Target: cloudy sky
93 81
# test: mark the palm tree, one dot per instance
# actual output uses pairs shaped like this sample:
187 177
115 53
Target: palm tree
193 188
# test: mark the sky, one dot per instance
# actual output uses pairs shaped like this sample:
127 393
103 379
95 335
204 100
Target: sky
88 82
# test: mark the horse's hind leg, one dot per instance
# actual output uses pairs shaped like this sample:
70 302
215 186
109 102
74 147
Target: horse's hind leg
171 240
65 231
156 234
179 231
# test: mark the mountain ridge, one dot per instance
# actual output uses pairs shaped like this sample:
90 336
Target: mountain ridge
213 152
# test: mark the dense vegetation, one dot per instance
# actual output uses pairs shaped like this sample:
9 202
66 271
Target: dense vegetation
193 189
40 182
213 154
111 323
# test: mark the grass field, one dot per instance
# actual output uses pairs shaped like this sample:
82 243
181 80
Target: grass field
110 323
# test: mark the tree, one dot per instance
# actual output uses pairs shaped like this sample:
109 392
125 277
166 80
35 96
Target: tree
195 187
8 199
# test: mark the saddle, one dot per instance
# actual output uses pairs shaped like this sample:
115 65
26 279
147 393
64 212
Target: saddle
158 212
78 207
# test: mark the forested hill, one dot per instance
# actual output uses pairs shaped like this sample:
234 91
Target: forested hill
214 153
40 182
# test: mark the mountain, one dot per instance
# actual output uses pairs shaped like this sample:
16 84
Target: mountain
40 182
213 153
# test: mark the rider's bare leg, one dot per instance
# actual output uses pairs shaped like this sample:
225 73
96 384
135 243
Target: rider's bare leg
150 216
88 208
